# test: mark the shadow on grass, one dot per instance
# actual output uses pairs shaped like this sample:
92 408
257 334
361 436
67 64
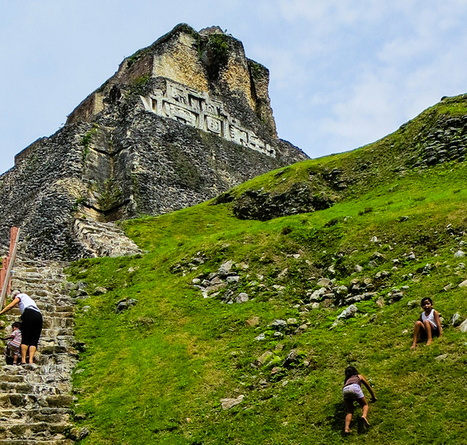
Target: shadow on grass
338 418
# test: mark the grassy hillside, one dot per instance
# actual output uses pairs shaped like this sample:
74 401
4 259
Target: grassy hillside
156 372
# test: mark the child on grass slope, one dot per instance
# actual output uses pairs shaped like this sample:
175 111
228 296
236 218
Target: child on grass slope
352 391
428 325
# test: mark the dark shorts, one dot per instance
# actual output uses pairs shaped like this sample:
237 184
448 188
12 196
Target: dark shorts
434 332
31 327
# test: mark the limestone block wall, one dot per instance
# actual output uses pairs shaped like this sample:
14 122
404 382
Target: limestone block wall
209 61
39 193
197 109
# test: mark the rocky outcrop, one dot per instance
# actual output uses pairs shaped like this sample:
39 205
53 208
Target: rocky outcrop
436 136
262 205
180 122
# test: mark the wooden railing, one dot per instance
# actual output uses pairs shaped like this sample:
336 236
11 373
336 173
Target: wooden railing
7 265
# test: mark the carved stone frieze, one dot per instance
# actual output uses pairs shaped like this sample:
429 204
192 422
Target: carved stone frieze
197 109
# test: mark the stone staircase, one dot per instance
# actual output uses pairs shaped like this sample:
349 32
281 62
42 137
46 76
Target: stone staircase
35 400
103 239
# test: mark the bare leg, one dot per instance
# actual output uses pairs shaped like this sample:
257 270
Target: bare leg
364 404
348 417
427 325
24 351
32 351
416 333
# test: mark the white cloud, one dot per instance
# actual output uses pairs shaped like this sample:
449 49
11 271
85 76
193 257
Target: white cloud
343 72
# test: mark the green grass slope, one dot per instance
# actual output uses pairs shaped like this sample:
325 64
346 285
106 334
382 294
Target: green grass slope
157 372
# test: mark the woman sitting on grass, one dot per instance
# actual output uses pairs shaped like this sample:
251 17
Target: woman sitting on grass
428 325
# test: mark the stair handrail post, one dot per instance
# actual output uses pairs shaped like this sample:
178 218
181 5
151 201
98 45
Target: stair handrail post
12 257
3 270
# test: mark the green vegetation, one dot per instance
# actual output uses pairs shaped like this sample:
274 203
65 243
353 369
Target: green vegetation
86 140
110 194
156 373
256 69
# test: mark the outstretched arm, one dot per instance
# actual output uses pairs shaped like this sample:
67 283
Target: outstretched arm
438 323
11 305
367 385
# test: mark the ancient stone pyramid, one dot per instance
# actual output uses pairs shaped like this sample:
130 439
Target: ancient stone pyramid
180 122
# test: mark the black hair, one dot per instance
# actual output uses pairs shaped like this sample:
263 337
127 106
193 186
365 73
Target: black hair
16 324
426 299
349 372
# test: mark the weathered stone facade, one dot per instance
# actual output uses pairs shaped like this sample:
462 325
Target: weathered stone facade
179 123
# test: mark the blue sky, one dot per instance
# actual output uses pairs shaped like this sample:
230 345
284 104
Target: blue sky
344 73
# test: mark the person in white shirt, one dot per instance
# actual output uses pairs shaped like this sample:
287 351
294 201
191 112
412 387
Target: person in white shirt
31 323
428 325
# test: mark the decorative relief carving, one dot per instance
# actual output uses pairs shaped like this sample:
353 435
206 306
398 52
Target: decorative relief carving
199 110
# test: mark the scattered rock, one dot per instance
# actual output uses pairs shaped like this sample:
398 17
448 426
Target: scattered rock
459 254
341 290
279 324
463 284
265 356
455 320
294 358
441 357
317 295
254 321
463 326
78 433
348 312
100 290
125 304
242 298
324 282
225 268
230 403
380 301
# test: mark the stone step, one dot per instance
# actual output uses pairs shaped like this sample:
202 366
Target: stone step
19 402
34 430
18 415
104 238
35 442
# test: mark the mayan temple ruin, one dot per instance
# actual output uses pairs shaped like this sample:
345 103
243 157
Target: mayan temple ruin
180 122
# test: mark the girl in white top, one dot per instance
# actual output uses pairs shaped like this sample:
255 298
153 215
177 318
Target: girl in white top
428 324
